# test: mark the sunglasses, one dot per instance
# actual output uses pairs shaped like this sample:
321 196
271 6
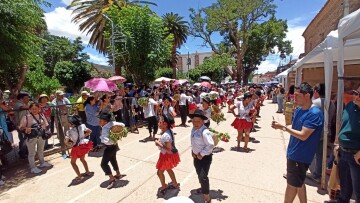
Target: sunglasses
355 93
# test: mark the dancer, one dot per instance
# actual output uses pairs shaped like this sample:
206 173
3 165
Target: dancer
76 138
110 148
205 107
169 156
202 146
243 120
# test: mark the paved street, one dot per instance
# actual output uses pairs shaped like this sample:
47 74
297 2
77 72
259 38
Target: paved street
234 176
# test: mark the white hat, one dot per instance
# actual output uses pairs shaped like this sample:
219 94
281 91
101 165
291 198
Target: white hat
7 91
59 92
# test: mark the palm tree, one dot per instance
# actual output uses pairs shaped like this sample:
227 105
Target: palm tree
179 28
89 13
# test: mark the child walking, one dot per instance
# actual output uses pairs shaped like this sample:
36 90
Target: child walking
76 138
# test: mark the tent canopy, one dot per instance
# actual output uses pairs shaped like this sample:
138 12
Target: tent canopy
349 26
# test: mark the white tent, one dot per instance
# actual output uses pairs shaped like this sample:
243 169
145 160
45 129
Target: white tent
282 77
349 29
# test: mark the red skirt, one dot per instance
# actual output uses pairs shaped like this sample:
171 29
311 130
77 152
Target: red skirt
167 161
218 101
192 107
230 102
81 150
241 124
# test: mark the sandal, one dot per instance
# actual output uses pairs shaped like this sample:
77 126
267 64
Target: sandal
79 179
172 187
87 174
163 191
198 191
111 184
119 176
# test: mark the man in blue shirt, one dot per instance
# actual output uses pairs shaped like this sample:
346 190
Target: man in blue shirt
305 136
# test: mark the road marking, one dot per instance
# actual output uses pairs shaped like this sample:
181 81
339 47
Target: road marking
125 171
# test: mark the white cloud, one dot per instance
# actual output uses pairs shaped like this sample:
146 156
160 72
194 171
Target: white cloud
297 40
59 23
267 66
98 59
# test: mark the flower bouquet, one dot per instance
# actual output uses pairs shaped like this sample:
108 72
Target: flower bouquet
225 137
216 114
143 101
117 132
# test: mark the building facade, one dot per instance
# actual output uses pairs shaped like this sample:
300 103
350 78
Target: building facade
327 20
195 59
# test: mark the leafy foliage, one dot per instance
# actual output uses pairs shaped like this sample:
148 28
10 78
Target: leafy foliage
89 14
176 26
145 48
237 21
37 82
21 23
164 72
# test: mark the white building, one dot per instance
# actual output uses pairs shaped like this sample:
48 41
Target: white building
195 59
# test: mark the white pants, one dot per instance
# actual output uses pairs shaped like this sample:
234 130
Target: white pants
35 145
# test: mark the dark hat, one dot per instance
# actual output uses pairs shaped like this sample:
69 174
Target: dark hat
258 93
305 88
198 113
206 100
189 91
105 116
75 120
168 119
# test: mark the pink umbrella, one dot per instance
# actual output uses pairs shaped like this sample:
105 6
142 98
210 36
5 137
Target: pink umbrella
117 78
101 85
206 84
180 82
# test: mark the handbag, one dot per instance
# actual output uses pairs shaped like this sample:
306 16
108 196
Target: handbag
10 124
45 134
5 145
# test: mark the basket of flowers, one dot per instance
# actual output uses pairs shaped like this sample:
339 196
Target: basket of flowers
143 101
117 132
216 114
217 136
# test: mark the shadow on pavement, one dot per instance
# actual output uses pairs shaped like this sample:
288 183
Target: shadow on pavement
19 175
86 177
148 139
236 149
98 153
118 183
312 183
214 194
170 193
218 149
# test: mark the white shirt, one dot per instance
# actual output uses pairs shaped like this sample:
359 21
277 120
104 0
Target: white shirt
165 137
183 99
149 109
243 112
165 110
73 134
201 141
106 130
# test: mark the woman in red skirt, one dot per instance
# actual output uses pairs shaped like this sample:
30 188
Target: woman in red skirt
76 138
243 122
169 156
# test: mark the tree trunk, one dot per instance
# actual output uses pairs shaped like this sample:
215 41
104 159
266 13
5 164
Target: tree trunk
173 61
21 81
239 66
118 68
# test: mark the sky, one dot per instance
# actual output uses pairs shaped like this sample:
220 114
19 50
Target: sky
297 13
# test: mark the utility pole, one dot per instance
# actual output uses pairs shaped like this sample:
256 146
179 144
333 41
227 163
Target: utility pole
188 64
112 42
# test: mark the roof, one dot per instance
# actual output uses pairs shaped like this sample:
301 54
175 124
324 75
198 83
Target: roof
312 21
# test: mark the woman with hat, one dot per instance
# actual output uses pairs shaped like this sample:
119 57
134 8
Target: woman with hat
46 110
243 120
169 156
76 138
202 145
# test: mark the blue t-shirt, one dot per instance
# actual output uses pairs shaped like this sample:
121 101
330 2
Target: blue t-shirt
304 151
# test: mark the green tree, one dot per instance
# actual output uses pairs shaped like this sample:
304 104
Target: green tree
263 40
144 47
179 29
37 82
21 23
234 20
73 75
89 14
164 72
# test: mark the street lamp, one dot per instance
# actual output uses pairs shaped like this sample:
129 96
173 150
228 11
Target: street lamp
112 41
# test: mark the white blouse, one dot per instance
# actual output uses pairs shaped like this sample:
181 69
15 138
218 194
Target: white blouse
165 137
243 112
73 134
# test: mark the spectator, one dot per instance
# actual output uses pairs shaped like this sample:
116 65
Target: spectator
52 117
21 108
305 137
92 122
349 151
80 107
30 125
280 91
46 110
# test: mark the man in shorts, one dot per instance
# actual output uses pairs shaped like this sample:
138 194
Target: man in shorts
305 134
